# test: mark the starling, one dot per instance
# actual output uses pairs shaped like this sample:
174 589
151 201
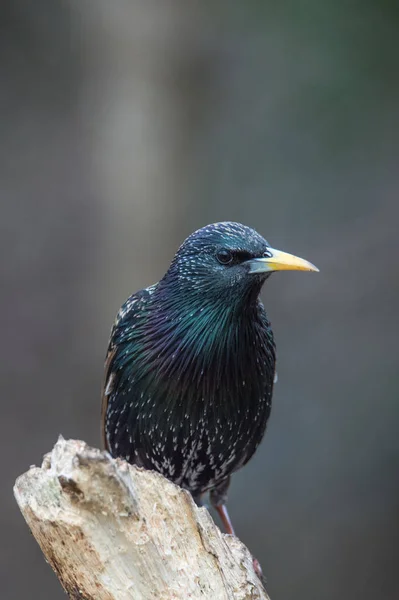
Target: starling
191 363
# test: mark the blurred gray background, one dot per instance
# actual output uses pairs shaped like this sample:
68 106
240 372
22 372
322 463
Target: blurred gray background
126 125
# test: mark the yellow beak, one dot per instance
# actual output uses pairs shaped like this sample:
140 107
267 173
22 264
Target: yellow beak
280 261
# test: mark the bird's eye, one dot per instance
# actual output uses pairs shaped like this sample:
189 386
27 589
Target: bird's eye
267 254
224 256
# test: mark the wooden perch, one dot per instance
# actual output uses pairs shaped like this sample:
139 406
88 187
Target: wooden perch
112 531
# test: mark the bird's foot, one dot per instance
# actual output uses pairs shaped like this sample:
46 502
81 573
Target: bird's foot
257 567
258 570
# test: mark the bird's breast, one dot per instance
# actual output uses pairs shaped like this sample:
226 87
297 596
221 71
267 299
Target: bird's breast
228 429
194 406
208 421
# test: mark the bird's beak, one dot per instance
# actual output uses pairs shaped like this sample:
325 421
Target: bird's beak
279 261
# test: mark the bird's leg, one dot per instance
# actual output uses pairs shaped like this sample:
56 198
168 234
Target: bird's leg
224 516
218 497
199 500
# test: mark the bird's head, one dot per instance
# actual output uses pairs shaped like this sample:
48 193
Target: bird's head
228 260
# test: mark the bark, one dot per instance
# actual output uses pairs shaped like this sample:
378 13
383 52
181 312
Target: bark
112 531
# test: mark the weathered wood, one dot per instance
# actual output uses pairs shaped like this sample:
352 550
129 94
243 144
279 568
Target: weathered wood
112 531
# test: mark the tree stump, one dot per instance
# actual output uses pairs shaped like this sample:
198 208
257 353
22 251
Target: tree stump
112 531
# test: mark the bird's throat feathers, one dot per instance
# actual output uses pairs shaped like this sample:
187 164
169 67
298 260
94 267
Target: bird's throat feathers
205 342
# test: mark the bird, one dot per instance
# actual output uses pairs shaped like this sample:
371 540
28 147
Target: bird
191 363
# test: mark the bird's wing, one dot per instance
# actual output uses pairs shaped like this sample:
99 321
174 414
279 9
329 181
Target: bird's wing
106 390
128 314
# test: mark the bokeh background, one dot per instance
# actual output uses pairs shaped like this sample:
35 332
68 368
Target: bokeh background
126 125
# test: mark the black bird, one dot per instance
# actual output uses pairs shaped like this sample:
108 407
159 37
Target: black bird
191 363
